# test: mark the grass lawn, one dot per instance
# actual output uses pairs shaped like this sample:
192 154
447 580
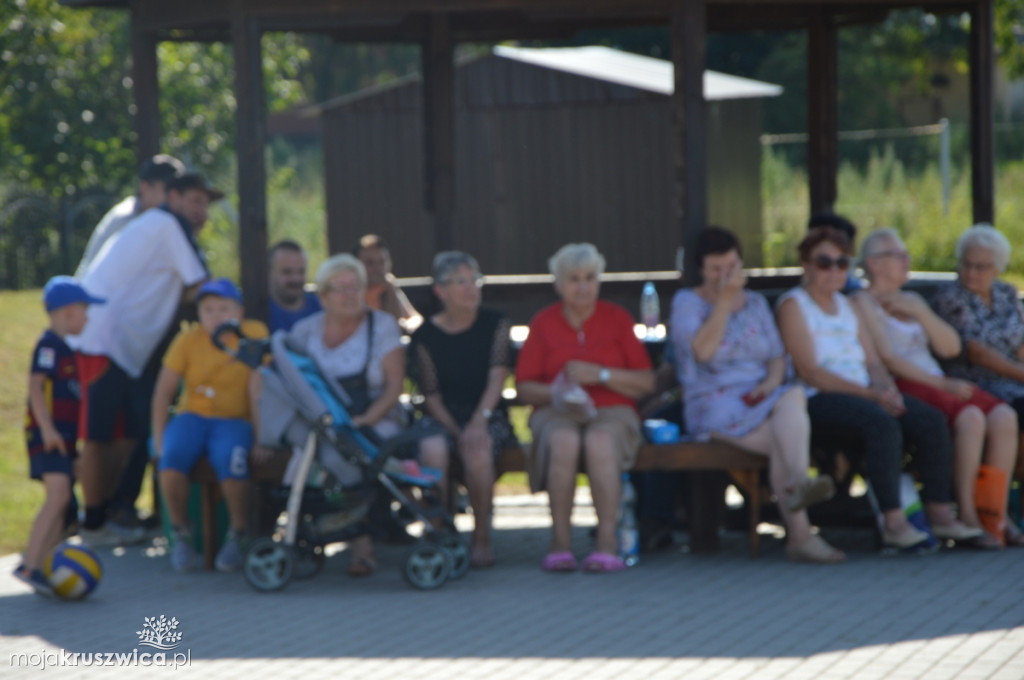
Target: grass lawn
23 320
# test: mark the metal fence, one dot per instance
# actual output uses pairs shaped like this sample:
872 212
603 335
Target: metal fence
41 236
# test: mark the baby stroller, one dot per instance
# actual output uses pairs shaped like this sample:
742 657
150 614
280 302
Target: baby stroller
329 487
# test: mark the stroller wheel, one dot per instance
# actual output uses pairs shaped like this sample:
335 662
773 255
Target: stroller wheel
268 564
459 550
309 560
427 566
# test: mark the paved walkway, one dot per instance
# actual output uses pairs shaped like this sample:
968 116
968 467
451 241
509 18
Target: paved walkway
958 614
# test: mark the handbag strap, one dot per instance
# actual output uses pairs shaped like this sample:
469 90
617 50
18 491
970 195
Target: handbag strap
369 342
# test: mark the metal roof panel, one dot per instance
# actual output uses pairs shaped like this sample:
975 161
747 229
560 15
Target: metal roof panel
634 70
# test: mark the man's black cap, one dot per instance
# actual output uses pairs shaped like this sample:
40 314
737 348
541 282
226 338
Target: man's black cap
161 168
194 180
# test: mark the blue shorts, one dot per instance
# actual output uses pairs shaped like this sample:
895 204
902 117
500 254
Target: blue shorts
46 462
225 441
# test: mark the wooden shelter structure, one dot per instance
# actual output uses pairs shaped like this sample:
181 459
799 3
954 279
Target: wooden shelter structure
438 25
553 145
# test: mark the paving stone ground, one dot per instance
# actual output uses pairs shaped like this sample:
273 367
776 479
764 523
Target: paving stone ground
957 614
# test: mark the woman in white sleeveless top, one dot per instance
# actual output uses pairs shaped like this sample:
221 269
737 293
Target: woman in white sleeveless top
852 395
907 332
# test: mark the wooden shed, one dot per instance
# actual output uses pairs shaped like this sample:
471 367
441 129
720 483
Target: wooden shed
552 145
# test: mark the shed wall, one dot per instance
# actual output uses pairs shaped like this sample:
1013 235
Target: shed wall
542 158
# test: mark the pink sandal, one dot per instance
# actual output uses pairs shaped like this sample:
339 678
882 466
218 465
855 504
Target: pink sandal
560 562
602 563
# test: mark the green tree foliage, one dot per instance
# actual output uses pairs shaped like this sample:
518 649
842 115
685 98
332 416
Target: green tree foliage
1009 21
65 93
66 108
197 101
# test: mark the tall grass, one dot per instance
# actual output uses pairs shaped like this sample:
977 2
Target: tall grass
295 210
886 193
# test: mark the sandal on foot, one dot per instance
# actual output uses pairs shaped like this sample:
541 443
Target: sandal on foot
602 563
1014 536
984 542
362 567
560 562
809 492
815 550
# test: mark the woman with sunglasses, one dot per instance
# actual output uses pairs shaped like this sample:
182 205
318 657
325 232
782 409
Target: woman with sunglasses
907 333
850 394
732 367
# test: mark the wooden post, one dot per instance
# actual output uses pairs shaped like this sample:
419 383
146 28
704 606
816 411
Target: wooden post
145 88
822 111
689 126
982 58
438 57
250 127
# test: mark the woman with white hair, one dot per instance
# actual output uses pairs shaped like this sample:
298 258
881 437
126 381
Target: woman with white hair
362 349
990 319
582 369
907 333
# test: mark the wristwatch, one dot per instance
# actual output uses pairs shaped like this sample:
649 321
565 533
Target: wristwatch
603 376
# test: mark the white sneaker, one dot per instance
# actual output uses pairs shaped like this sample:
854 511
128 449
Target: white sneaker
128 535
101 537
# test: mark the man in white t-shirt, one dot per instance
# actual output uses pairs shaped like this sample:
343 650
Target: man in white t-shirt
154 175
145 273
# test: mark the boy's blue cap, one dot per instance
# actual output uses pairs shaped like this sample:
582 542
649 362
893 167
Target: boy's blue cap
61 291
221 288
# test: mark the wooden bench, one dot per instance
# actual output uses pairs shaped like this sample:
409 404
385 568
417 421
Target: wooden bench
705 497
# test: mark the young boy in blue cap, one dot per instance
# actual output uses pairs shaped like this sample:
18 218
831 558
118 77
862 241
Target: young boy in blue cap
215 418
52 424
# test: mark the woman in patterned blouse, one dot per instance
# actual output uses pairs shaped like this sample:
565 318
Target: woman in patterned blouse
990 319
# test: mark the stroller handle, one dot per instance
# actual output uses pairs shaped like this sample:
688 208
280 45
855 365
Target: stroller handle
250 352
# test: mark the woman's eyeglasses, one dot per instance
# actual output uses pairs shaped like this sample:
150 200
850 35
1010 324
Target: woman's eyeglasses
460 281
824 262
901 255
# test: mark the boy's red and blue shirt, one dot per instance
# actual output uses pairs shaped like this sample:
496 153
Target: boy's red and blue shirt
53 359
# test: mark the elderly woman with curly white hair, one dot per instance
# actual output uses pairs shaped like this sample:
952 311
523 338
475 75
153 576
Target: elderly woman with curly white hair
990 319
582 369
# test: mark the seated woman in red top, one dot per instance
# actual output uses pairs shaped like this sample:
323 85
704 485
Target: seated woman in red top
582 369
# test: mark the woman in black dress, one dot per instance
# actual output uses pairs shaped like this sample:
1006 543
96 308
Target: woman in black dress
463 356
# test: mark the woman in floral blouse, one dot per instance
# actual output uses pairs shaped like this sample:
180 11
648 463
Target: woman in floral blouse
990 318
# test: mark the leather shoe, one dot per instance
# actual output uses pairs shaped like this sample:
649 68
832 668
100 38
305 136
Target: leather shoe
907 539
957 531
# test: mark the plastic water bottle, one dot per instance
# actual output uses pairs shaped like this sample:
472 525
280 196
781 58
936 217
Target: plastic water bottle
629 537
650 307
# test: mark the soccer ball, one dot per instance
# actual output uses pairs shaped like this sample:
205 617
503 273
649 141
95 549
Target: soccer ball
74 571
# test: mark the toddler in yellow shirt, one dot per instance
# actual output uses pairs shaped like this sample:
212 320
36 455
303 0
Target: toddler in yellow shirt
215 418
